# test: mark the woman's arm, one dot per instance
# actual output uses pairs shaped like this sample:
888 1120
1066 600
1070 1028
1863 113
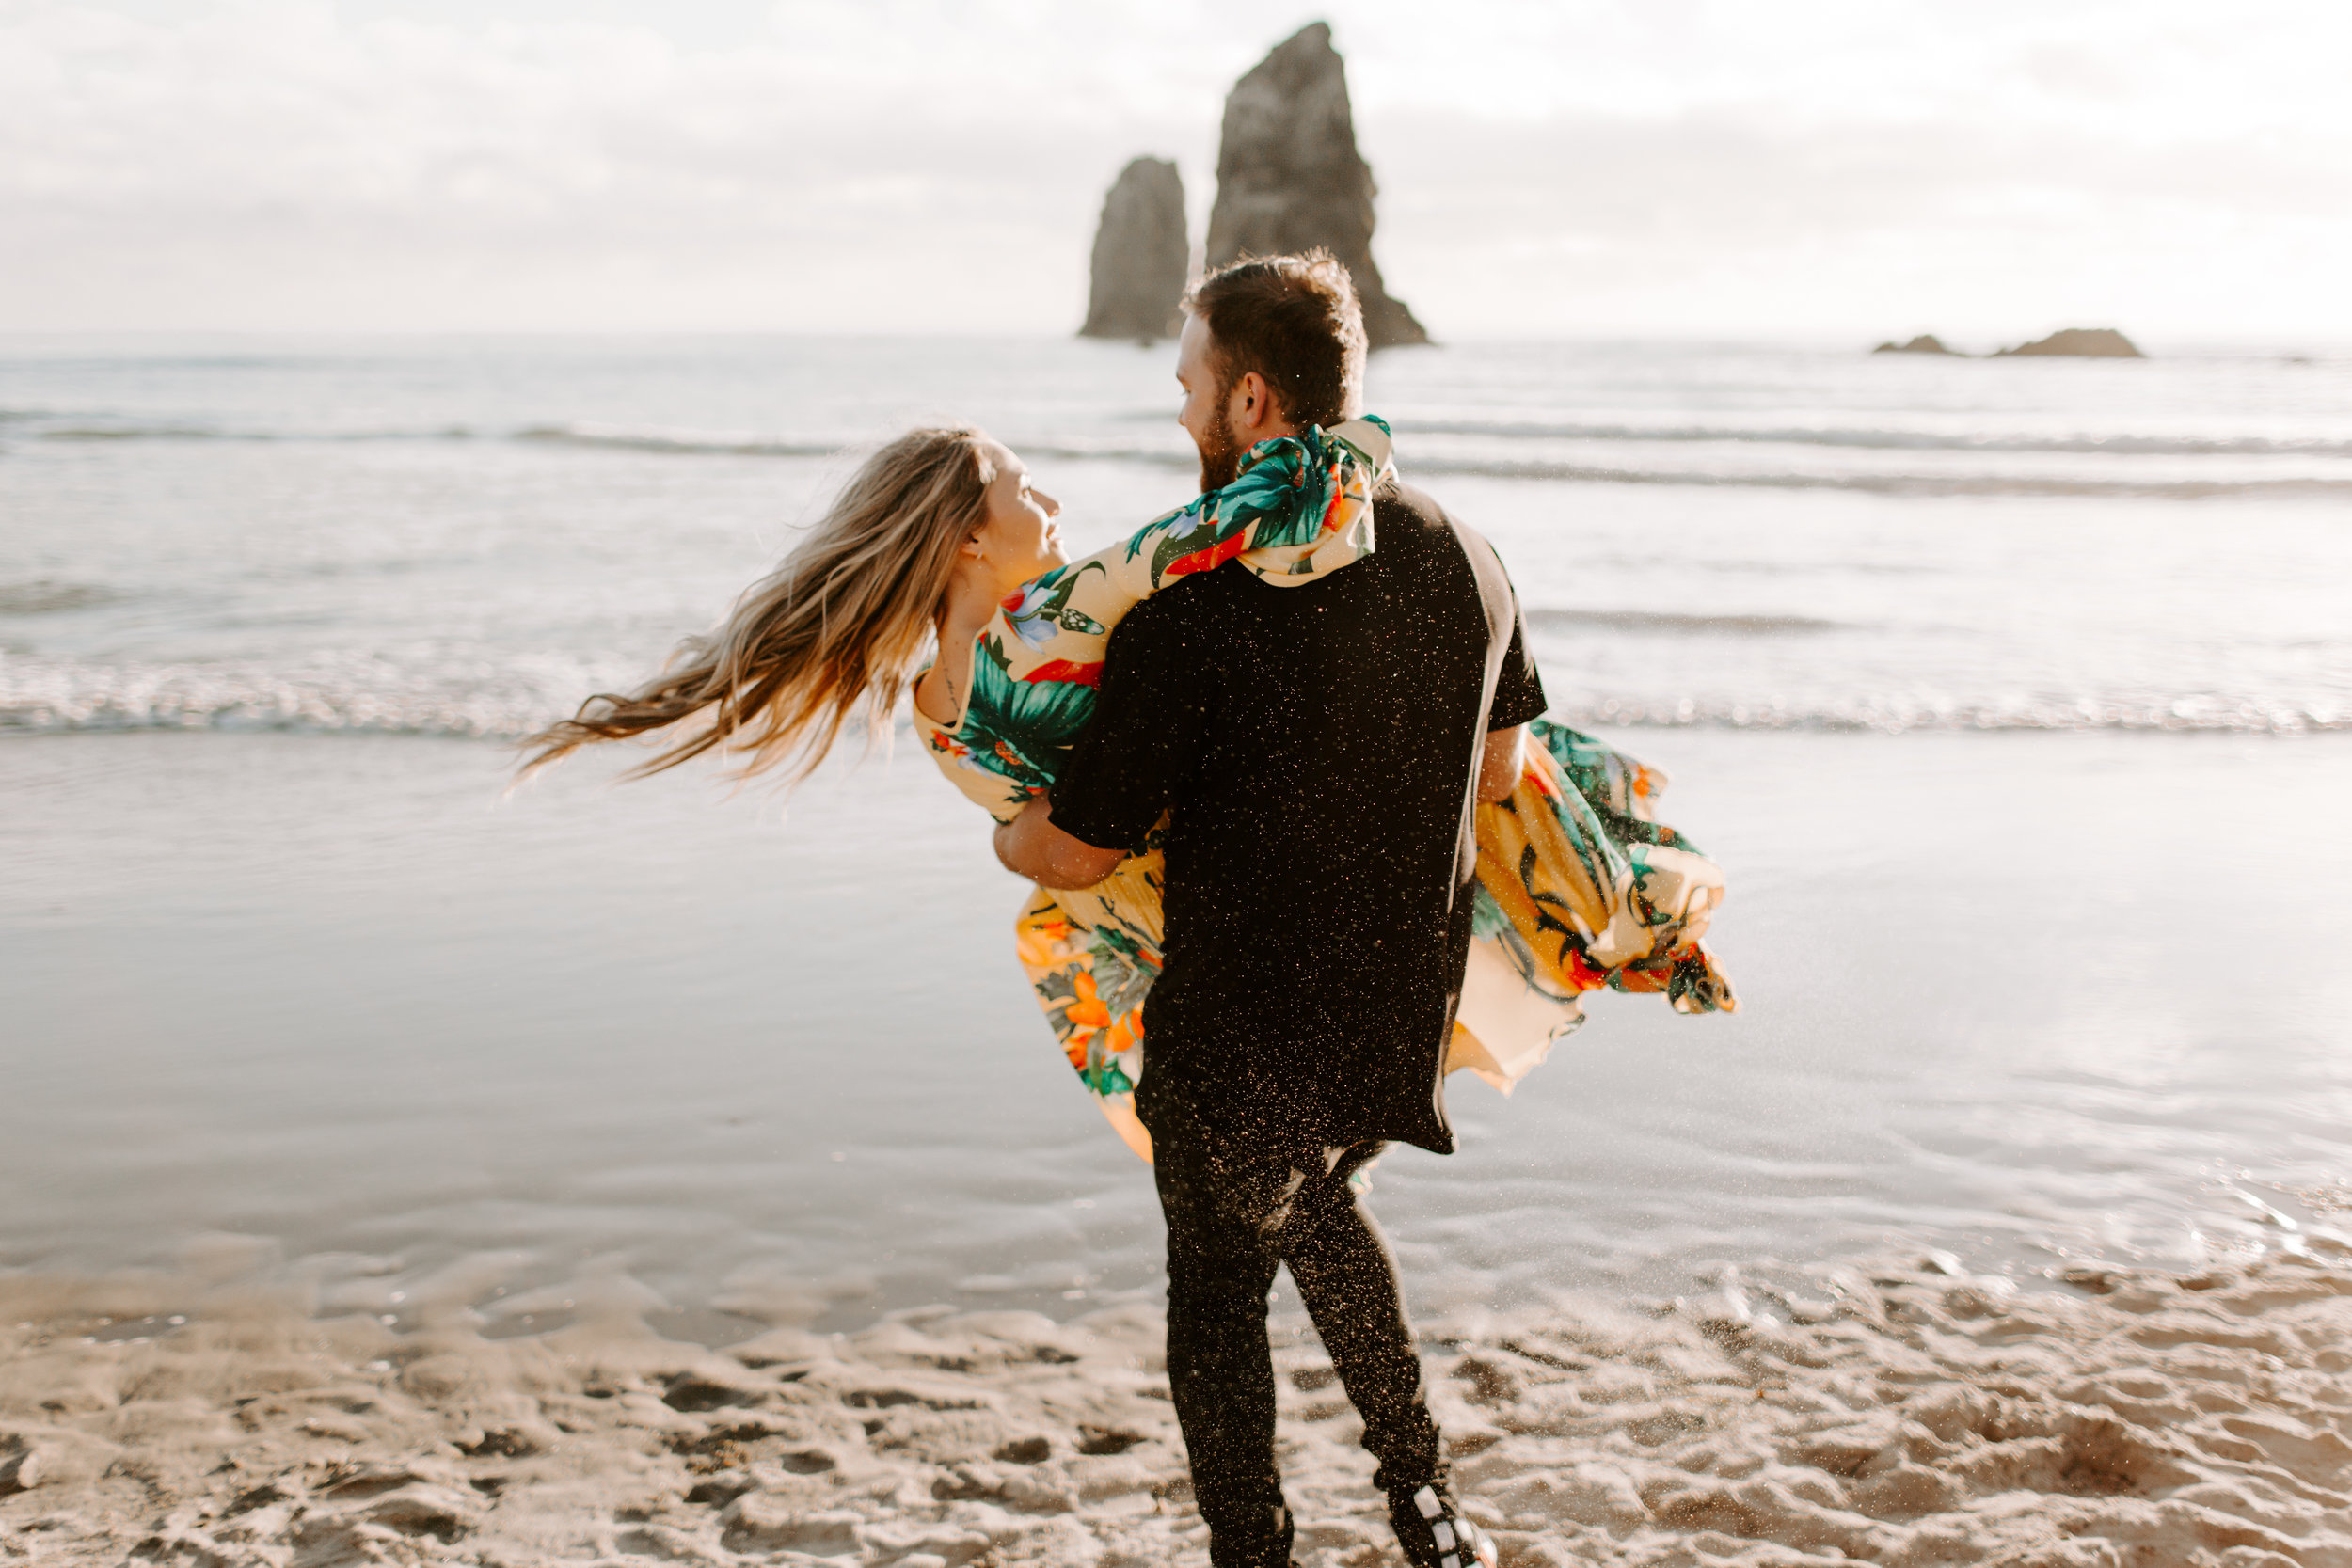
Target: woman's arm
1030 845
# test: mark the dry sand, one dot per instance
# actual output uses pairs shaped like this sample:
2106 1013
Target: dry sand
1911 1416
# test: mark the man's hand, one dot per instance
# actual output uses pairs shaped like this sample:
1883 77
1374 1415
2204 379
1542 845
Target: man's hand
1499 765
1030 845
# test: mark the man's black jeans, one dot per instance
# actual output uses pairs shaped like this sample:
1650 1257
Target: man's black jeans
1240 1202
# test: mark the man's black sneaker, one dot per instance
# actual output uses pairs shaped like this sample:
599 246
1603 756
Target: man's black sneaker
1430 1528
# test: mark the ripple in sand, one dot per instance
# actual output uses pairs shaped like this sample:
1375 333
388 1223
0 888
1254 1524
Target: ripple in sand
1919 1417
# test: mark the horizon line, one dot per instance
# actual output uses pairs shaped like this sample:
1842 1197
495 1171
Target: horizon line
1863 340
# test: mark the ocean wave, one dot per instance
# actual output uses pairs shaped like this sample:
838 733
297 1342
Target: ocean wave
43 696
2201 714
696 444
38 696
1892 441
688 444
99 431
1885 484
691 443
677 443
1666 622
148 433
45 596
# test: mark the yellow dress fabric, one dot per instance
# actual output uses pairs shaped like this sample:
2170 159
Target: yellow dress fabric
1578 886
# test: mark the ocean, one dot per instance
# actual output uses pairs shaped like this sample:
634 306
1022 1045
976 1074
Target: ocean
2015 695
459 537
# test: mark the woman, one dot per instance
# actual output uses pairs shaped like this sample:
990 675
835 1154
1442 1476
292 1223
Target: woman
942 542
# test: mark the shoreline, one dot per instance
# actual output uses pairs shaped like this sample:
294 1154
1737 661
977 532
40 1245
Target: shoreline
335 994
1912 1416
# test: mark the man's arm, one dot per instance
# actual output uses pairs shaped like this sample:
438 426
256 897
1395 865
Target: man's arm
1129 763
1030 845
1498 764
1518 697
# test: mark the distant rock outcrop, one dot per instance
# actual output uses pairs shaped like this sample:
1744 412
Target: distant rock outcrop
1289 177
1141 256
2080 343
1925 342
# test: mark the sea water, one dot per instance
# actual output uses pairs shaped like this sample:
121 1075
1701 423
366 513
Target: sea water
461 537
2013 694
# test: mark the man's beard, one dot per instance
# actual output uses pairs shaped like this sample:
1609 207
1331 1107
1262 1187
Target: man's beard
1220 454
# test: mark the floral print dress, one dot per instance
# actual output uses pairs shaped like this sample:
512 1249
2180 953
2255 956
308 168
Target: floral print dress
1579 885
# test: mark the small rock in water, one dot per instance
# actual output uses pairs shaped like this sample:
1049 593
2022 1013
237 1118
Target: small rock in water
1925 342
695 1393
2078 342
721 1489
1723 1309
2264 1211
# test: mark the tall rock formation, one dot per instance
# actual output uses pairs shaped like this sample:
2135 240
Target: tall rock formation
1288 175
1141 255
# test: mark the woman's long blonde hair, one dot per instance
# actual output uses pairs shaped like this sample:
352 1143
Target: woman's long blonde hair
835 630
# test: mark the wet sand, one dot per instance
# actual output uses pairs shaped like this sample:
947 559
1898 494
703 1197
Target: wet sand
1914 1415
558 1140
2036 999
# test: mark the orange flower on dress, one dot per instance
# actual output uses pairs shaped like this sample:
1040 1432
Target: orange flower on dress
1084 1015
1041 943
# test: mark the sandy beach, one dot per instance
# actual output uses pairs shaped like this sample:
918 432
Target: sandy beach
397 1174
1914 1415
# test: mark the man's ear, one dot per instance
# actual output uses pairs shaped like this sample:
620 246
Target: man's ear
1255 401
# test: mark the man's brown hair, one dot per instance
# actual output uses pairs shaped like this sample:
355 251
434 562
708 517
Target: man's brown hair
1295 321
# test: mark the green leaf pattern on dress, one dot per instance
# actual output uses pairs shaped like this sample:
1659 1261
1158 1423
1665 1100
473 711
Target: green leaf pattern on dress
1579 886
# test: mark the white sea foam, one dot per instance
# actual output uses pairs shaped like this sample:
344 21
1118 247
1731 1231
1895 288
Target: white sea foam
467 543
2189 468
41 695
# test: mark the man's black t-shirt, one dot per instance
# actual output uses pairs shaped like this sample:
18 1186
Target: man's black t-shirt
1312 744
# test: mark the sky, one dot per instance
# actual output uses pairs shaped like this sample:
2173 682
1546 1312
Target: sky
1988 169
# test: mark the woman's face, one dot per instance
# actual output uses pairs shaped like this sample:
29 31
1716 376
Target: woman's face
1019 540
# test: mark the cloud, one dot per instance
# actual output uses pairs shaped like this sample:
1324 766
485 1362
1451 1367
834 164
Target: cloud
274 166
937 164
1740 221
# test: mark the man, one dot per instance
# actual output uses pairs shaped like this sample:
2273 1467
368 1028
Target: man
1313 747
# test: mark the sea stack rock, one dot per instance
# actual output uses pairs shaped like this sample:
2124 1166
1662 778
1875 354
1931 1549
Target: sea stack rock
2080 343
1925 342
1141 255
1289 177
